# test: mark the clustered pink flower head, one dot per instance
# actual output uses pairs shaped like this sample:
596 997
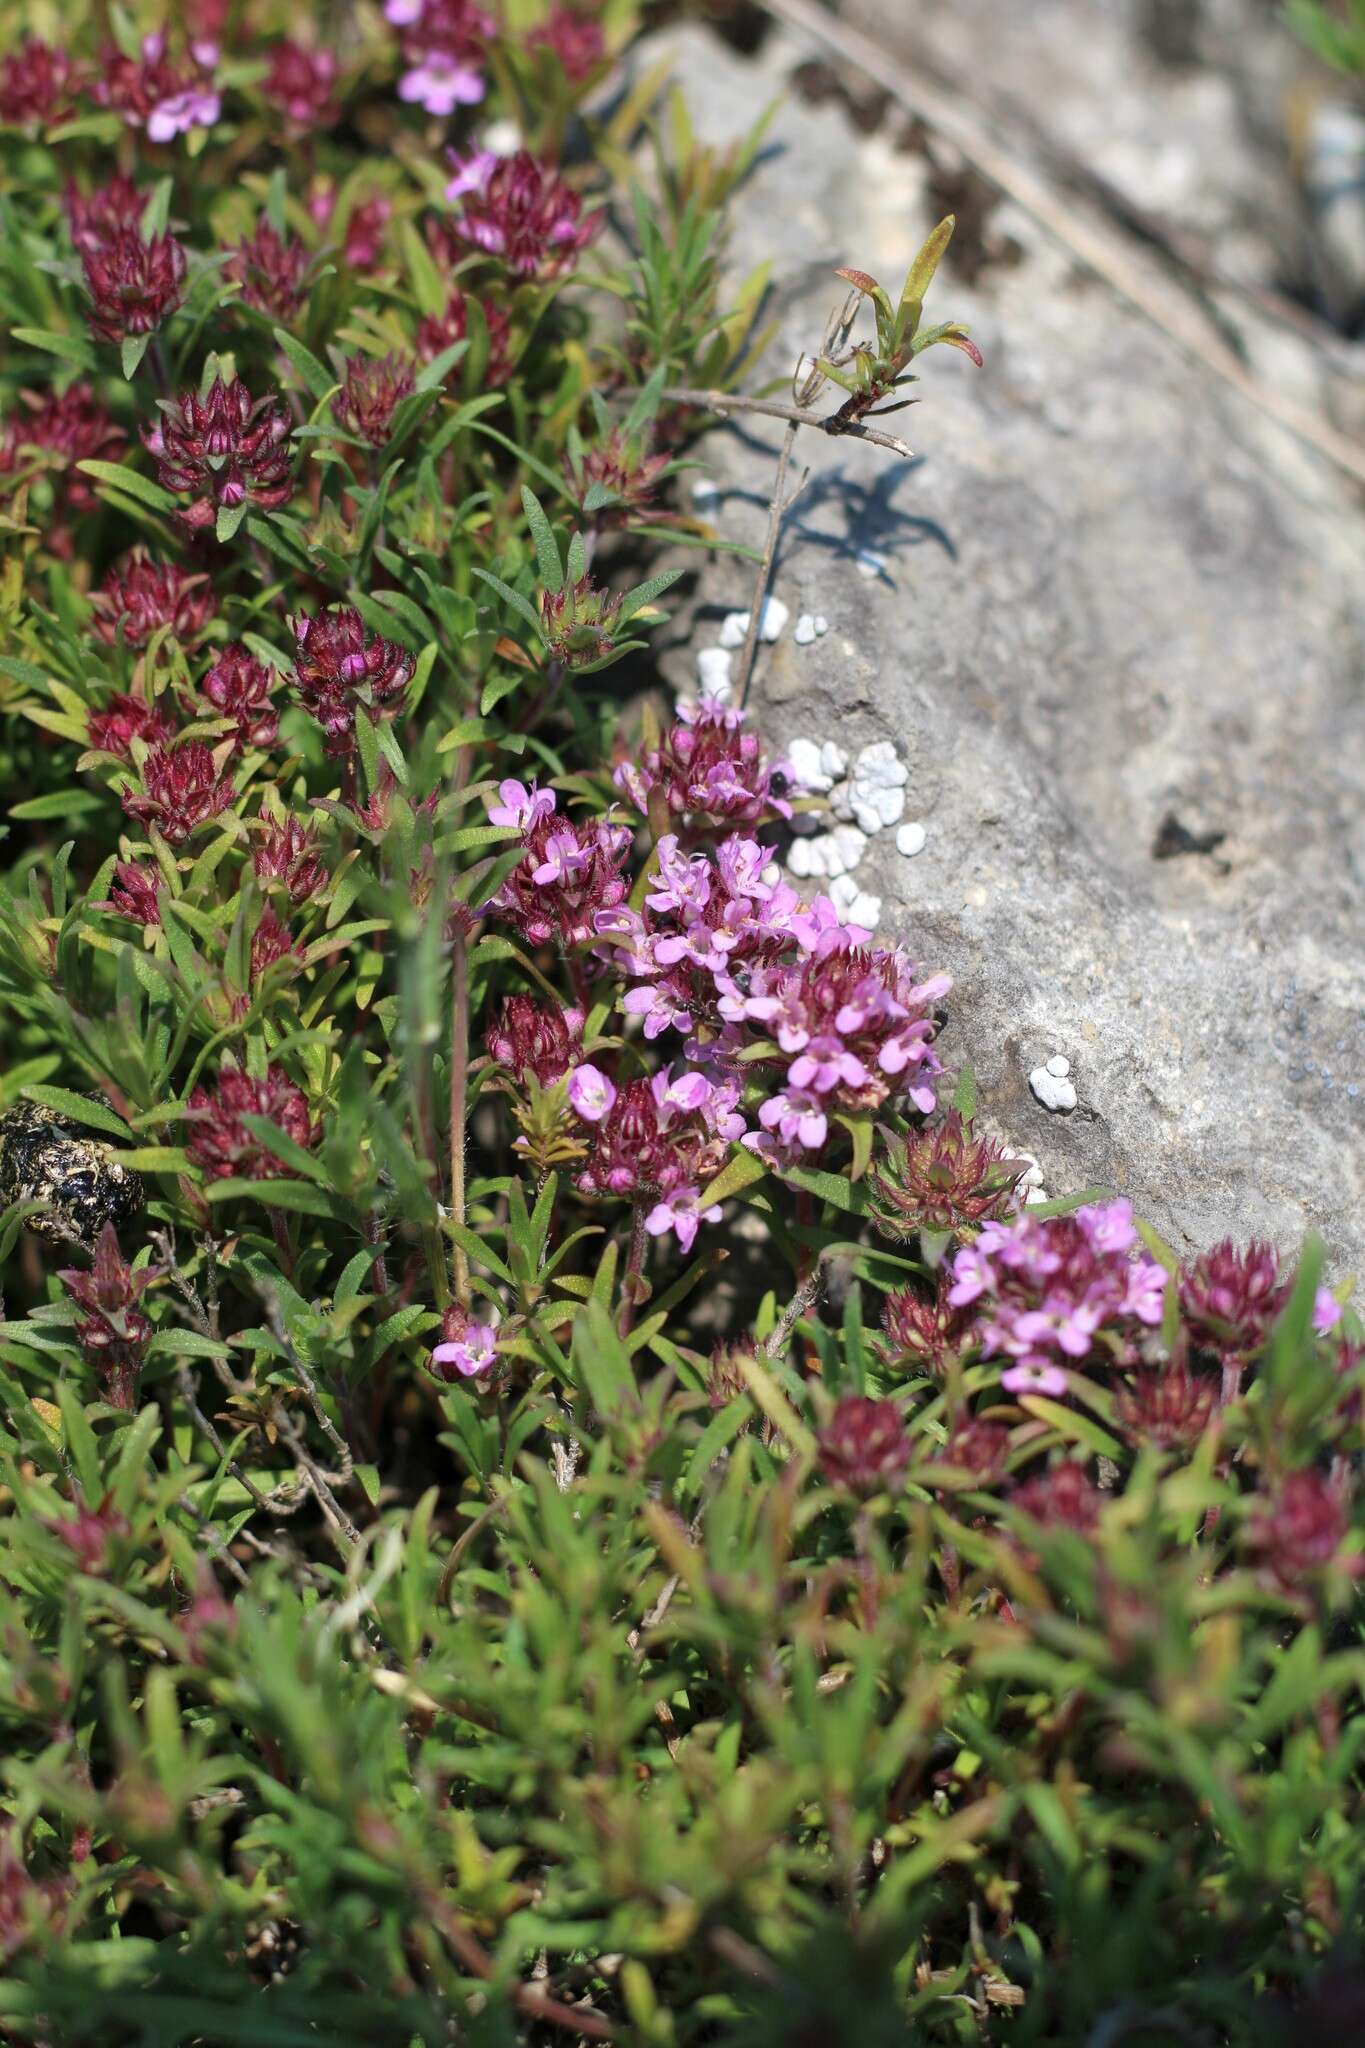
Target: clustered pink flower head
271 270
663 1138
133 893
157 95
710 769
181 790
270 942
222 450
575 40
864 1447
340 668
519 210
139 597
239 687
1300 1530
222 1146
444 44
134 283
124 718
1048 1291
62 430
299 82
527 1037
97 216
570 874
1232 1296
467 1347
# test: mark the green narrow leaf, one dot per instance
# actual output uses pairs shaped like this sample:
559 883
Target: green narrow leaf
547 547
131 482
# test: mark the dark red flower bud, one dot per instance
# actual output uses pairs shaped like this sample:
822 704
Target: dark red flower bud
438 332
864 1448
1167 1405
576 40
579 622
525 215
1060 1498
97 218
340 668
59 432
288 852
271 270
128 718
1300 1528
91 1533
299 82
1232 1297
181 790
220 1143
133 893
371 391
271 942
113 1333
711 769
979 1447
238 687
528 1037
222 450
923 1331
38 85
133 284
942 1178
140 596
622 467
725 1378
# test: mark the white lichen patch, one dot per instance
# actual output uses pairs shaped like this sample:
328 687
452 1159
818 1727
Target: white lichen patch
1051 1085
910 840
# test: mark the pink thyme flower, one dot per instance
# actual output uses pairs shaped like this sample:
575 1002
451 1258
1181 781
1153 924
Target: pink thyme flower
444 45
520 807
300 83
570 872
471 173
371 390
271 270
126 717
467 1355
222 450
98 217
239 687
198 106
1327 1311
1232 1297
681 1212
133 284
133 893
139 597
341 669
1050 1293
591 1093
181 790
220 1143
527 216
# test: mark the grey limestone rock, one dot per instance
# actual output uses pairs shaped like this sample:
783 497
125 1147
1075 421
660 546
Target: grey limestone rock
1117 636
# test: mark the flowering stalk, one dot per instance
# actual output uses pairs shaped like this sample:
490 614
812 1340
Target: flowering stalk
459 1090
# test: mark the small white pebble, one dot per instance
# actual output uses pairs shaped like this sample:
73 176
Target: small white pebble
833 760
869 563
876 795
805 759
805 630
705 490
734 628
798 860
713 670
1059 1066
1053 1092
853 904
1038 1194
910 840
502 138
821 625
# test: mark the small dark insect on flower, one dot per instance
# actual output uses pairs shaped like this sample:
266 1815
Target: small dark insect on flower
943 1178
140 596
181 790
299 82
238 687
271 270
125 718
864 1447
220 1143
222 450
133 284
340 668
371 391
